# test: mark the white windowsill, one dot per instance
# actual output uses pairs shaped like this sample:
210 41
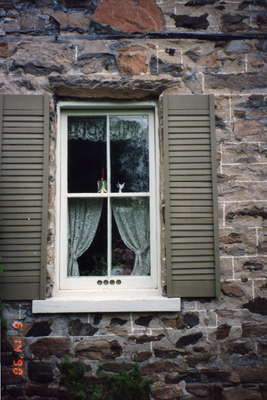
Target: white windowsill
80 302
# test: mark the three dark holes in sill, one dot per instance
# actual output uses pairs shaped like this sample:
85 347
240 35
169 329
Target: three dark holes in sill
111 282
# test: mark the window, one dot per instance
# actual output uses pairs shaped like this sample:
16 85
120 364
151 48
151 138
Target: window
108 212
113 195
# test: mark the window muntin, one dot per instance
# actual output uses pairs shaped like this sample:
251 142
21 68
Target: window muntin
116 152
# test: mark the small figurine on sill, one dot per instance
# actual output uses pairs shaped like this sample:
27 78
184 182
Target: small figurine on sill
120 186
102 184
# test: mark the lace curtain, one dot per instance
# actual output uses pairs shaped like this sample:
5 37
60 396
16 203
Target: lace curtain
94 128
84 216
132 218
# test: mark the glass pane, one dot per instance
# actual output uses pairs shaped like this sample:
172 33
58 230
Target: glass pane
130 236
129 153
87 237
87 160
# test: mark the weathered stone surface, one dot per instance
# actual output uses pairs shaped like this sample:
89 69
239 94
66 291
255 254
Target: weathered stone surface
41 328
186 21
252 329
237 82
117 321
4 52
170 322
46 347
40 372
256 214
166 353
37 59
142 356
244 394
232 290
253 372
238 241
96 63
77 328
145 15
233 23
132 64
83 4
223 331
257 306
191 320
97 318
189 339
146 338
72 21
252 129
243 153
159 366
45 391
99 349
237 46
239 347
157 66
144 320
117 367
109 88
194 3
255 267
161 391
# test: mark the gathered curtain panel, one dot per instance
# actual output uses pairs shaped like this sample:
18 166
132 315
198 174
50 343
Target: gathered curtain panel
132 219
84 219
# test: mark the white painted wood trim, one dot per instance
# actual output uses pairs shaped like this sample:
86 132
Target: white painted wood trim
106 305
83 283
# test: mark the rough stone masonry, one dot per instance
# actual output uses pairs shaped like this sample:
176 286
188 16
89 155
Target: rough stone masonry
212 350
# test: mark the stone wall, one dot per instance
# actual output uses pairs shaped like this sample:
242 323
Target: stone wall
80 49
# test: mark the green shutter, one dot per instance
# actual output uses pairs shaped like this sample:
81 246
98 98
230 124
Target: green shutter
23 195
191 196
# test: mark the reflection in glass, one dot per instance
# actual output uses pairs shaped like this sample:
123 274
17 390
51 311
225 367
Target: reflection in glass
86 153
129 153
131 237
87 237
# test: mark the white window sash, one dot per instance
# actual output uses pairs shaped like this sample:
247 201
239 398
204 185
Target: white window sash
90 283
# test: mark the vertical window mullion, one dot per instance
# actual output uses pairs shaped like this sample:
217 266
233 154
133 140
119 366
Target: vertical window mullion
109 221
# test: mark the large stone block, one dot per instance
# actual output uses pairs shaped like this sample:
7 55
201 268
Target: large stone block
250 329
132 64
241 393
97 63
249 130
243 191
256 172
99 349
36 59
251 267
145 15
247 213
236 82
161 391
72 21
51 346
243 153
237 242
226 268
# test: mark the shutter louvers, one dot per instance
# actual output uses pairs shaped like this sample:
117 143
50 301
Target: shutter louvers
191 196
23 195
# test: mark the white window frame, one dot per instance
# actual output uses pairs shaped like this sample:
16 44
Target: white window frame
106 298
127 282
